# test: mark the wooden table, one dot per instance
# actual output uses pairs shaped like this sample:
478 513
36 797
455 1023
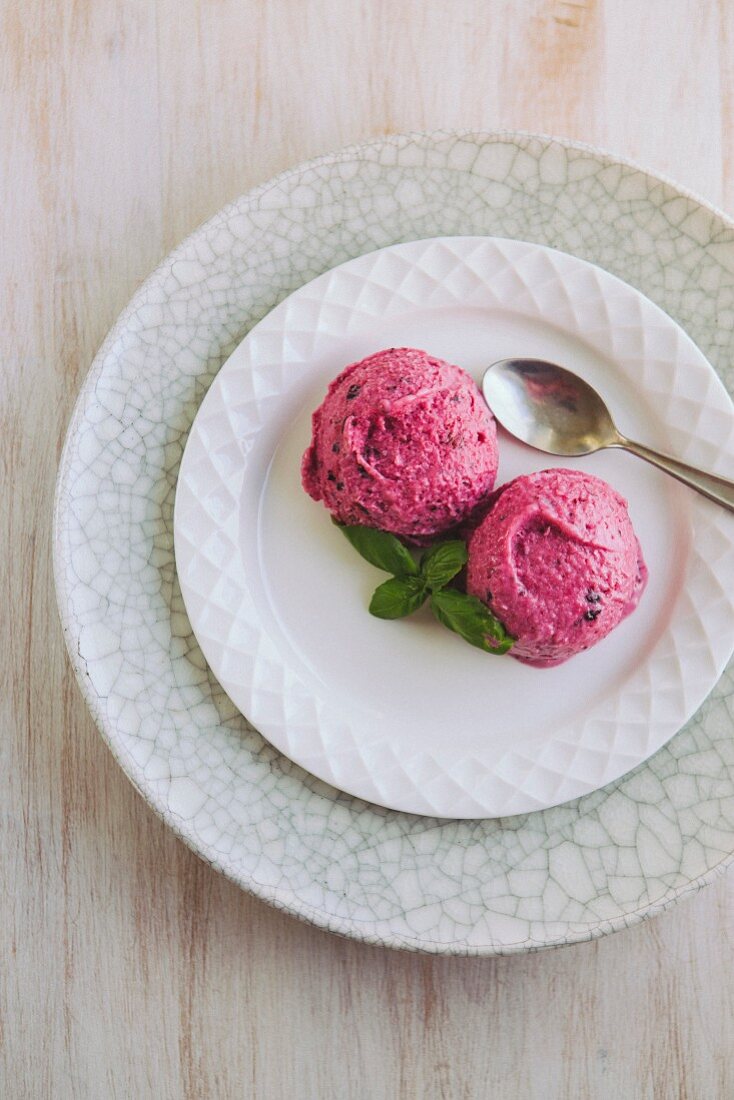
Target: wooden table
129 969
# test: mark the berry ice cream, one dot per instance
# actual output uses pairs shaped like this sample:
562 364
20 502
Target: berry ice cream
556 559
403 442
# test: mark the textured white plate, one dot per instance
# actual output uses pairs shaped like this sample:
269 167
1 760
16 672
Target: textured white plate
579 870
405 714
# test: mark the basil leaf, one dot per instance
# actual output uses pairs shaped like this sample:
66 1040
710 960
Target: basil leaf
470 618
398 597
442 562
381 549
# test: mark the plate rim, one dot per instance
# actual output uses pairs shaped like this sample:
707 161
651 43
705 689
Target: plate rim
284 897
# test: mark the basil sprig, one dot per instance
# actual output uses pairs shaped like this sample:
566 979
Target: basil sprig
413 582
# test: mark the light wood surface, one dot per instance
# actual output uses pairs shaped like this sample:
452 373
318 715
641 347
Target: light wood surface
128 968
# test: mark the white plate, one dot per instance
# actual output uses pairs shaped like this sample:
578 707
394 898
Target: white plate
405 714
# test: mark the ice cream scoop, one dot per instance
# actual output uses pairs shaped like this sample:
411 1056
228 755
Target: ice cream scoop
553 410
404 442
557 561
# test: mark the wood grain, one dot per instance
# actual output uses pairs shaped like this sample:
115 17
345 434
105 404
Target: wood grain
129 969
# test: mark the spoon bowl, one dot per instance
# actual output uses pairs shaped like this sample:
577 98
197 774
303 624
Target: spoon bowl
548 407
553 410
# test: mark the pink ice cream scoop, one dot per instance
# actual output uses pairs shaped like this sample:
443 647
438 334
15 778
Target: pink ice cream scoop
556 559
403 442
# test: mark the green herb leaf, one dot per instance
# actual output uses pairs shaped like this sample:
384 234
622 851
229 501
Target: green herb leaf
381 549
398 597
470 618
442 562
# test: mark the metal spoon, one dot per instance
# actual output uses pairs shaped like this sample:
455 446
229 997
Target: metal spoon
553 410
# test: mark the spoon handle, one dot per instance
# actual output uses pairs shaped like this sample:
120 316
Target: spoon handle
718 489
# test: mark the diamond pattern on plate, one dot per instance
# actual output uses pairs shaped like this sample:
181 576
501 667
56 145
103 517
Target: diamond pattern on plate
616 733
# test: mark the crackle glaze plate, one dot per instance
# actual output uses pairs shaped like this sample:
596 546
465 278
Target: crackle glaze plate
488 886
405 714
